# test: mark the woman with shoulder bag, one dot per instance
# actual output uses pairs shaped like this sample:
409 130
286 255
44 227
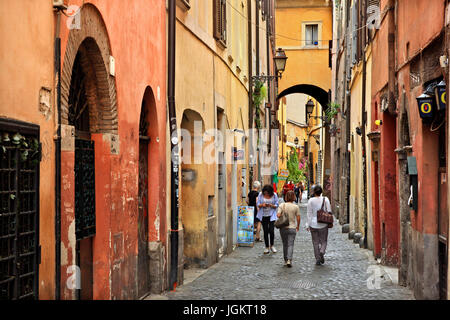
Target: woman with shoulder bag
289 229
319 206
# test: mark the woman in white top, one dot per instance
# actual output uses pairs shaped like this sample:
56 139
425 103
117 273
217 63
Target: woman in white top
319 231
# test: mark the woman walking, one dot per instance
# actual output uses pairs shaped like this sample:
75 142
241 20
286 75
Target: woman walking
289 232
319 231
297 191
267 204
251 200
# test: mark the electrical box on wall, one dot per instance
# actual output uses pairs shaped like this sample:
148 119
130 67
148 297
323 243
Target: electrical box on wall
60 4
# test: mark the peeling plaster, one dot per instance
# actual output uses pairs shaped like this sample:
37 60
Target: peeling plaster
63 254
72 241
45 106
157 222
66 182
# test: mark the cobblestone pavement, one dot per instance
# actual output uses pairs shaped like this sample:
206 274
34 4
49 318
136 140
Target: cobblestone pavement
248 274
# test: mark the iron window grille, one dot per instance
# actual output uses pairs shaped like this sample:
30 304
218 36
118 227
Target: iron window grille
20 154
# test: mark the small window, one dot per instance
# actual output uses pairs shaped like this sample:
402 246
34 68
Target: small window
220 21
210 206
312 34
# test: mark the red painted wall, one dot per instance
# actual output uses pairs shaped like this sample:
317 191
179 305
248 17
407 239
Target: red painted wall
389 212
414 31
136 31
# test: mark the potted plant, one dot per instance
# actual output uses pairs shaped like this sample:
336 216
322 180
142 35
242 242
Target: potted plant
333 110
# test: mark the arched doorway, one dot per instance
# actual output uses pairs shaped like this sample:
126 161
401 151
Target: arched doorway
89 120
193 192
148 189
143 257
404 149
317 93
82 102
317 144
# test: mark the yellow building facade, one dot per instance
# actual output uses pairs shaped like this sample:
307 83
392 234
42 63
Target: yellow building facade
213 83
360 205
304 31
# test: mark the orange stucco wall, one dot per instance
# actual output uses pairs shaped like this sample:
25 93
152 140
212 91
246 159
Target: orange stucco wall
136 32
26 61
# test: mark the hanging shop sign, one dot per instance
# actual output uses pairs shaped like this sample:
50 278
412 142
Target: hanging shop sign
237 154
441 95
284 174
245 226
425 103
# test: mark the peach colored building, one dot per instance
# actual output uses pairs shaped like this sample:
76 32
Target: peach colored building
109 215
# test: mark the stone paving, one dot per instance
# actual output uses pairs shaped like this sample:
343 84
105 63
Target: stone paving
249 274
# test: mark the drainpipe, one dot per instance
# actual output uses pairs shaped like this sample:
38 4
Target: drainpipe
58 161
391 56
269 83
174 148
258 67
363 136
250 95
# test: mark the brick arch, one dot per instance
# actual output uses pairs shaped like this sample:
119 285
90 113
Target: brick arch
92 43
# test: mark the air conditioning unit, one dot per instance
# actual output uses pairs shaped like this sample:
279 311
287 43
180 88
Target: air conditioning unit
60 4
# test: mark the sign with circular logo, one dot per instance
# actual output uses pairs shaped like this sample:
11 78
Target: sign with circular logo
425 107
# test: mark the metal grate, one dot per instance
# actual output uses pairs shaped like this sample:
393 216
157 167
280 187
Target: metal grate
19 210
300 284
84 188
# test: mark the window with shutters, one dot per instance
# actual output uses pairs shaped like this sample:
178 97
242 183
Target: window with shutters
312 35
220 21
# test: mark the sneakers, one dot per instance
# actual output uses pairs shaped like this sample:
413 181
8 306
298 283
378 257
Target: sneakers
288 263
274 250
266 251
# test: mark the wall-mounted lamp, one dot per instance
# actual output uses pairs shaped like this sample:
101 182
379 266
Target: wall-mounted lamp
310 107
440 92
425 104
358 131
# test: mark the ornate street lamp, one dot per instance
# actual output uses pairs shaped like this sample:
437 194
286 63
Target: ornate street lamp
280 61
280 65
309 107
296 141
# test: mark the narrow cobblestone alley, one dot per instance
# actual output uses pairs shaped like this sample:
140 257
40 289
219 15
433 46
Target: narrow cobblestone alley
249 274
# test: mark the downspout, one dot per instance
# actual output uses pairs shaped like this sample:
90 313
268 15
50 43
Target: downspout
250 93
363 134
174 149
257 36
58 160
269 83
258 67
391 57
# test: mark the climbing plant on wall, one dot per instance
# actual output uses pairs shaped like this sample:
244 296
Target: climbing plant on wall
259 94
